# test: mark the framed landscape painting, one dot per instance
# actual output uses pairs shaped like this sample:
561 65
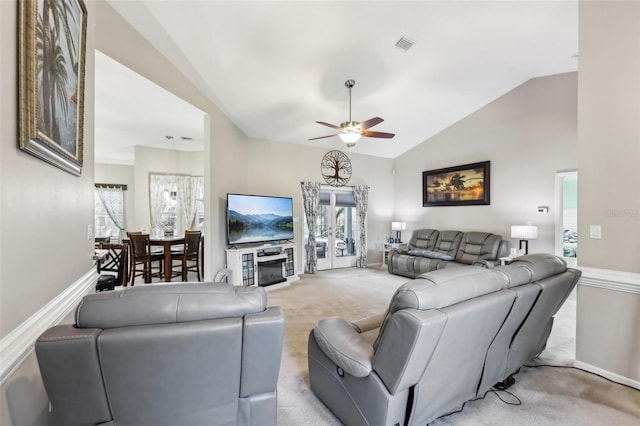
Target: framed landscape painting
52 36
463 185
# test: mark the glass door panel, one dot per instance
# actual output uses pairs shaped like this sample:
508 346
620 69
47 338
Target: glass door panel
335 229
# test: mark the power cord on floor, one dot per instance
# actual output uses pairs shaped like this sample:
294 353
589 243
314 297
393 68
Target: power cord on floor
580 369
492 390
497 391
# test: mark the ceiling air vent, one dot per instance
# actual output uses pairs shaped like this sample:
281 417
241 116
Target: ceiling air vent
404 43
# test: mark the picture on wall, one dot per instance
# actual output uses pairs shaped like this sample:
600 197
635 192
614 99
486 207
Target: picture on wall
52 36
463 185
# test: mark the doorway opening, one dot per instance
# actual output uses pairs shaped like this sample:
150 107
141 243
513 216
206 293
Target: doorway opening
566 238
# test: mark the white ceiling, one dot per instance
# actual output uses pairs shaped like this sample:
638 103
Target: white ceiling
275 67
130 110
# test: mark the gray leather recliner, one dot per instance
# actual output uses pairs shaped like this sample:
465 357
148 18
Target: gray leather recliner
430 249
446 337
169 354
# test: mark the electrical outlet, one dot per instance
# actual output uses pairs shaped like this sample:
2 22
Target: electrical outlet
89 232
595 232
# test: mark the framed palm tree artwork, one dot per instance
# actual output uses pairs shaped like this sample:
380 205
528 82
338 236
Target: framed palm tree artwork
52 36
468 184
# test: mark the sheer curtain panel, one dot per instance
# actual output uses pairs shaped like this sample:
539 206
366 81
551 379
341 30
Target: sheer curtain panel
361 195
112 199
311 201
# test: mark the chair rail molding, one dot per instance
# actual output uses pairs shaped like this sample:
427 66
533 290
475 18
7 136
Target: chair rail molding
16 346
609 279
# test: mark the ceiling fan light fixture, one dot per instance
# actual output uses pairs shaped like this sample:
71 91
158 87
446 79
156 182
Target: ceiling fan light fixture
349 137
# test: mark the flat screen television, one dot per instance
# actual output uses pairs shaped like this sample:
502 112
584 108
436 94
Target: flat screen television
258 219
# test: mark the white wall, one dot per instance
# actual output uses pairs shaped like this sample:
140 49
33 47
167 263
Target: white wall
528 134
278 168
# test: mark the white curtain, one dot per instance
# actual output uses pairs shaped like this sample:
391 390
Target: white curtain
361 195
187 194
112 200
158 185
311 200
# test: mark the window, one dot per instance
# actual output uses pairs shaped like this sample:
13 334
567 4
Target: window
176 202
109 210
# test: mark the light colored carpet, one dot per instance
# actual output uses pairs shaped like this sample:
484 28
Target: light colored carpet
549 396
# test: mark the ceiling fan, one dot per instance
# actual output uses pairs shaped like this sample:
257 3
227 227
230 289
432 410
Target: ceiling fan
350 131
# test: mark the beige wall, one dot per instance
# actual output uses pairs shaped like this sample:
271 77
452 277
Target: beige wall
44 215
278 168
225 145
40 203
525 135
608 306
123 175
150 160
528 134
609 134
147 160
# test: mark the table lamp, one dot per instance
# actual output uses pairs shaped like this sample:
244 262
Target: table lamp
398 227
524 233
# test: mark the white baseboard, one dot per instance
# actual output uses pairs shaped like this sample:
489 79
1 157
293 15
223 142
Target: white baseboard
18 344
608 374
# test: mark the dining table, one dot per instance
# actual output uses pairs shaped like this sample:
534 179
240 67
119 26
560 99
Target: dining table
166 242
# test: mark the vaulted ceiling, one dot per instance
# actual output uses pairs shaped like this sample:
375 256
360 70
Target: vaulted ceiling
276 67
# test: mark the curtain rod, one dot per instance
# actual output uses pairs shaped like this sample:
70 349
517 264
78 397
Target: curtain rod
337 187
111 185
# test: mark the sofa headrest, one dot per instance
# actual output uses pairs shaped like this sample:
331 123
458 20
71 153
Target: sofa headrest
516 274
541 265
445 287
168 303
423 239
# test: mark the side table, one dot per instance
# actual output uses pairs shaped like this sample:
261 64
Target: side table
387 247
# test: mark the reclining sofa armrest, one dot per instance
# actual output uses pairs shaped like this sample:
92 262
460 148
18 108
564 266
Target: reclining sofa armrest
263 334
68 360
369 323
484 263
343 345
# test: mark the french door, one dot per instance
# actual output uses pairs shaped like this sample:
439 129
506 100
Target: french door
335 229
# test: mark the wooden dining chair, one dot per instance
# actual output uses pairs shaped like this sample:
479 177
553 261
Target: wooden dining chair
142 258
120 254
189 256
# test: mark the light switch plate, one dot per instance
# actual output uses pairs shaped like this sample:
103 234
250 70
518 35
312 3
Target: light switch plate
595 232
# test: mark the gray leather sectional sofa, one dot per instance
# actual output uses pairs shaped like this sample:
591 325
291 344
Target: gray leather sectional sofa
430 249
166 354
446 338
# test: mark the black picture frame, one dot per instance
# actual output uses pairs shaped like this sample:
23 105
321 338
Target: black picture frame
464 185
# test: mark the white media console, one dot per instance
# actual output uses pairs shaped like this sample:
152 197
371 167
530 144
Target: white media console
268 265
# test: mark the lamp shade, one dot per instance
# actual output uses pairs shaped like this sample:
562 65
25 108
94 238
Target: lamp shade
398 226
349 137
524 232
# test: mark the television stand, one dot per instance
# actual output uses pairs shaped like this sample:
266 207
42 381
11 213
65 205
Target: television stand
265 266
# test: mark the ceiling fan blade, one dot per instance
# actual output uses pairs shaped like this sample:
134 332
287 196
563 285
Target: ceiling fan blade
370 123
333 126
322 137
378 135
